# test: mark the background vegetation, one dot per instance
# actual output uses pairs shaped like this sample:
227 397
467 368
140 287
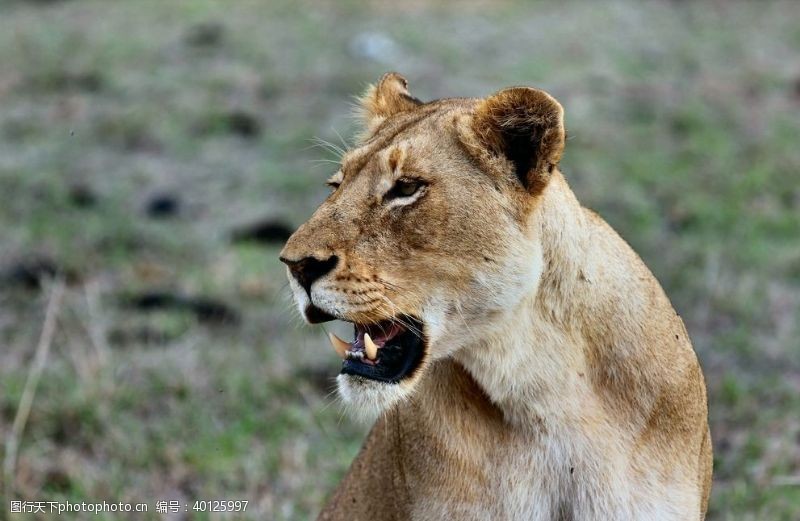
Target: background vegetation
155 154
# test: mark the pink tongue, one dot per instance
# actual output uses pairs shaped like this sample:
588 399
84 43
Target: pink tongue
380 334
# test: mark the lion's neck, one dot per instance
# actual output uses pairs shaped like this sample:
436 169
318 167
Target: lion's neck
532 362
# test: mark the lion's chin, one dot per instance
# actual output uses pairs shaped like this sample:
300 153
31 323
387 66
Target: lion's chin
366 399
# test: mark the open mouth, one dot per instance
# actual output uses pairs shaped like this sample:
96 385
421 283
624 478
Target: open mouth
387 351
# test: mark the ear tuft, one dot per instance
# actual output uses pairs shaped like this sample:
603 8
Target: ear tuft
526 126
389 97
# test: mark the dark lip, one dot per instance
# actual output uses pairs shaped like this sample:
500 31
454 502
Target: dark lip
314 315
397 360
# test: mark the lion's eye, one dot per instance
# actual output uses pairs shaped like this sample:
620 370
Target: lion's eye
335 180
404 188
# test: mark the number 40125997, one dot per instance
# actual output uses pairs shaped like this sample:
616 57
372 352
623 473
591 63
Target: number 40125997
219 505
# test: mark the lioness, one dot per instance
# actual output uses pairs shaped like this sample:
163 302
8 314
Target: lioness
524 361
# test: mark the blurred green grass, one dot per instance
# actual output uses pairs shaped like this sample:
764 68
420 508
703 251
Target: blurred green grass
683 124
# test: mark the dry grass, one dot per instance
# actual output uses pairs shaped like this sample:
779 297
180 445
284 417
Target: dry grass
29 391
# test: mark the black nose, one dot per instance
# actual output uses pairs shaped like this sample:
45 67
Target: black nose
307 270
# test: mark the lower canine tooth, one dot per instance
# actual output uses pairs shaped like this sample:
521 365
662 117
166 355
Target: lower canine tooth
370 347
339 345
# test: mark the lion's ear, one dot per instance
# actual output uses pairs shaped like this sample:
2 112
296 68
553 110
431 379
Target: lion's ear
386 99
526 126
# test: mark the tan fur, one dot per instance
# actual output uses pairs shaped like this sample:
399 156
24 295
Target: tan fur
559 383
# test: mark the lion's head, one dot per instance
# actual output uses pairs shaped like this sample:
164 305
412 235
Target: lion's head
429 234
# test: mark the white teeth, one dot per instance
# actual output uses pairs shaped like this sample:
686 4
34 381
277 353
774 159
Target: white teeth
339 345
357 355
370 347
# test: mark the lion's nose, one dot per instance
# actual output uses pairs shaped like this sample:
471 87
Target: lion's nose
308 270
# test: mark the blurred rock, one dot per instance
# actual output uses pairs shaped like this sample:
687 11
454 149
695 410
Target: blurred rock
207 34
153 300
243 124
57 480
208 310
82 196
205 309
374 46
237 122
30 272
264 232
163 205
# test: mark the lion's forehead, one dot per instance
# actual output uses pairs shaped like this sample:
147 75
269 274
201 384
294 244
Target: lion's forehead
424 136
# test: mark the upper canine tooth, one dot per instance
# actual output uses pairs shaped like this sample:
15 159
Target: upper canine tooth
370 347
339 345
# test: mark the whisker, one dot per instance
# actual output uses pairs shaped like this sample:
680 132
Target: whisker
329 400
314 144
344 142
388 284
394 318
332 161
331 147
463 318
